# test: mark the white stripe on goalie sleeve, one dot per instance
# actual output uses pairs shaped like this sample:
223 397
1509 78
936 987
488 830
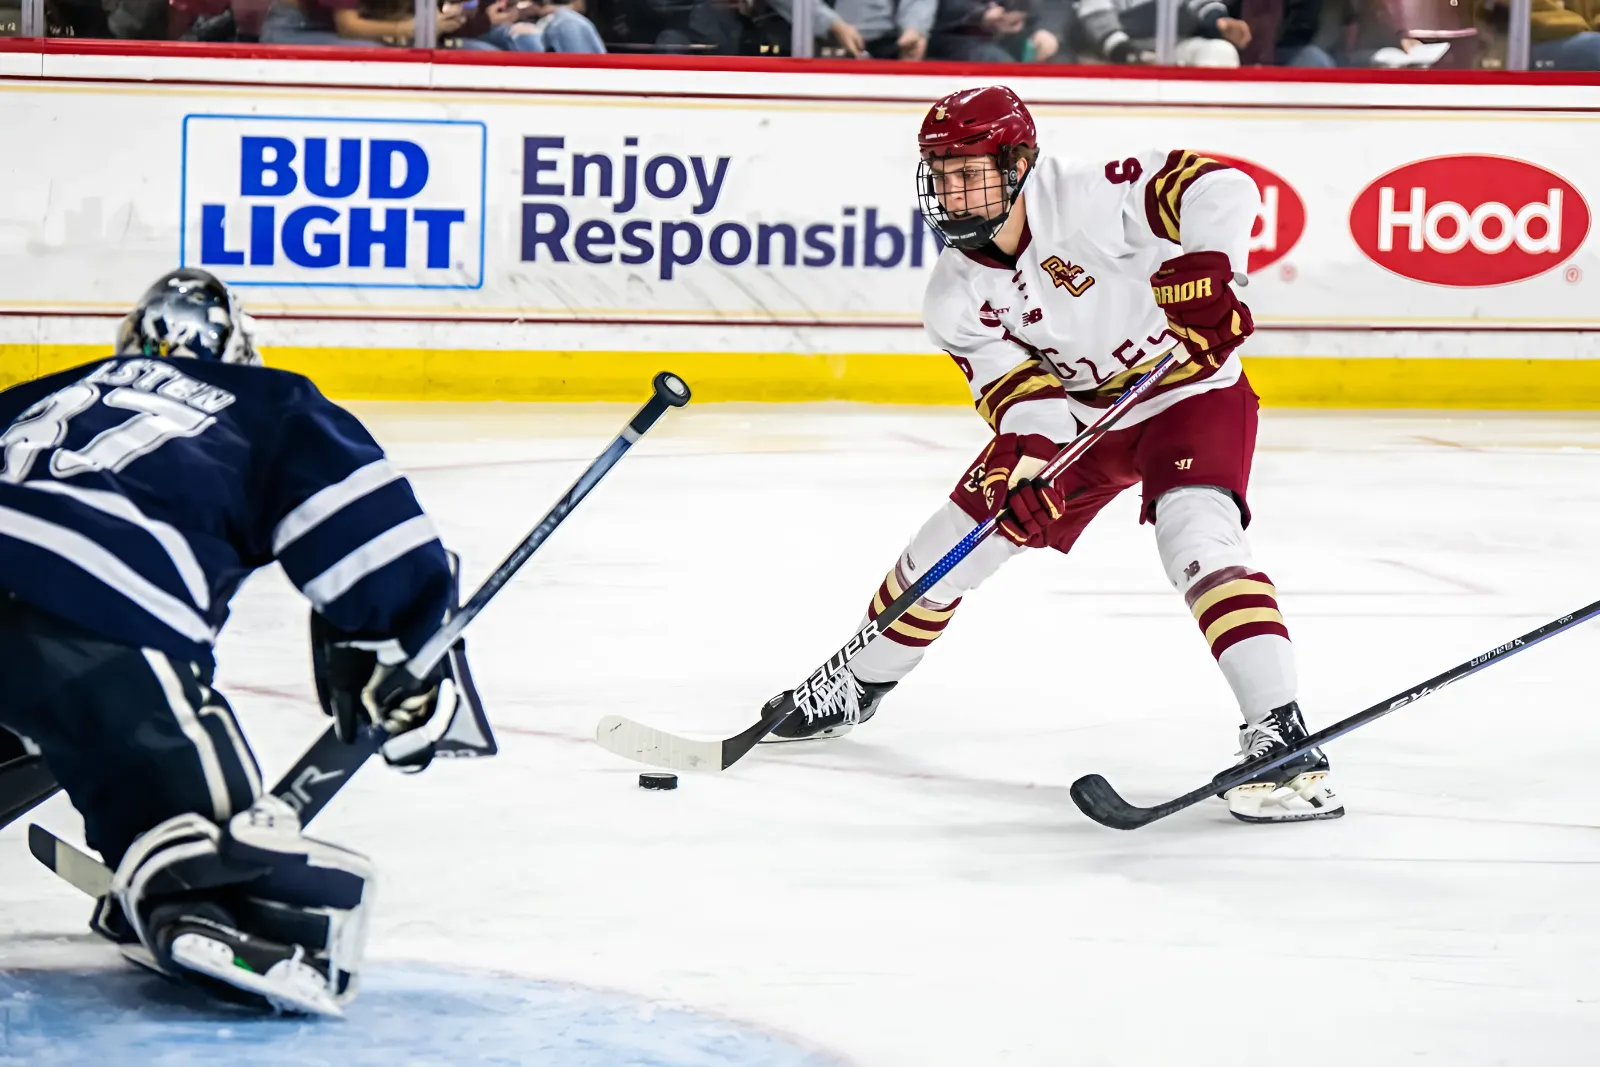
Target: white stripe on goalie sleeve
376 554
322 504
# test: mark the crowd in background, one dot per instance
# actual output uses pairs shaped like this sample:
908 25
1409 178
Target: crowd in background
1439 34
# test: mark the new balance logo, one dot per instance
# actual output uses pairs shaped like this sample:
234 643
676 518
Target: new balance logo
1185 464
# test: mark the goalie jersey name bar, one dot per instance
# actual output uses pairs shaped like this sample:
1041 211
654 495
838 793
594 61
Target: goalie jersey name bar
137 494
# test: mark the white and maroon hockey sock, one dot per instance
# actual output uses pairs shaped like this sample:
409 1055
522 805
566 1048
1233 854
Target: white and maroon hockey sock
1203 549
1238 614
904 643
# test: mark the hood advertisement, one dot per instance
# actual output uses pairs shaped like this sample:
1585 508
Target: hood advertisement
507 208
1470 220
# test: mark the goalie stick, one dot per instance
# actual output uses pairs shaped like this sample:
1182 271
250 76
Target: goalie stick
1097 799
26 783
645 744
329 763
670 391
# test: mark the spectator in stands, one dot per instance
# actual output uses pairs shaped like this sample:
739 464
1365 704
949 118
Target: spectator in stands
1387 33
986 31
1562 33
348 23
646 25
1123 31
825 23
531 26
763 27
1284 33
136 20
890 29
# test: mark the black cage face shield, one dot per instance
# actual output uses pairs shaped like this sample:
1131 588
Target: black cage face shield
967 199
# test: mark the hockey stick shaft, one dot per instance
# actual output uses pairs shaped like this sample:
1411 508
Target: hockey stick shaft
1097 799
1069 454
24 784
329 763
636 741
670 392
1063 459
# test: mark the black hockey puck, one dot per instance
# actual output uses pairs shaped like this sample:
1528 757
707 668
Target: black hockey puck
658 780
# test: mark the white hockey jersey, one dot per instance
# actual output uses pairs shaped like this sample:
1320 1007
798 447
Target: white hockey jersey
1073 323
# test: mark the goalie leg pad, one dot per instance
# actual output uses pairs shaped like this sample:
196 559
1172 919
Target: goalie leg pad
133 736
288 911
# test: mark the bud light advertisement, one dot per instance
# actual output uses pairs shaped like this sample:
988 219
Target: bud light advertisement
346 203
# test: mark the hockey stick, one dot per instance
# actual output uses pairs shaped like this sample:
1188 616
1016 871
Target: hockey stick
1097 799
25 784
329 763
645 744
670 392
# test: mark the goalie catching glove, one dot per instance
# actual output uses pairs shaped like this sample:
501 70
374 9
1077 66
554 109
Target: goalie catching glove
348 674
1201 307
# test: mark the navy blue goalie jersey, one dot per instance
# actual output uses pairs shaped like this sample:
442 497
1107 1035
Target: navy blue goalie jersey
137 494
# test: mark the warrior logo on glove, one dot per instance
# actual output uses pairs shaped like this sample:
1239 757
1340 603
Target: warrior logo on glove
1201 308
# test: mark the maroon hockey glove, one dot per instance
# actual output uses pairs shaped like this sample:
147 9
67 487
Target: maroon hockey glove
1024 508
1194 290
1034 507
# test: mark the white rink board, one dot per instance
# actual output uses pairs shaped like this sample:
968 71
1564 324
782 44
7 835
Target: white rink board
782 202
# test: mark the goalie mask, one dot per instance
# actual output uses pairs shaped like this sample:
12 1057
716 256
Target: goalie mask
189 314
968 179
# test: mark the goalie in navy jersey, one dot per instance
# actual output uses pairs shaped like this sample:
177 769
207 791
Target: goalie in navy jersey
136 494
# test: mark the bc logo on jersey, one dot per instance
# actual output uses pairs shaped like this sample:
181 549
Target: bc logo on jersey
1066 275
357 203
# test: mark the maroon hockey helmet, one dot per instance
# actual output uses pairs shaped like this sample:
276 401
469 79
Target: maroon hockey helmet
990 121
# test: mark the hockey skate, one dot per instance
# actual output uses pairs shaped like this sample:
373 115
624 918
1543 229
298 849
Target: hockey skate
846 702
198 940
1298 790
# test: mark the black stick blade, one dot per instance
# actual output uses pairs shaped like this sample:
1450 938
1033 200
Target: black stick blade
42 844
25 784
1096 799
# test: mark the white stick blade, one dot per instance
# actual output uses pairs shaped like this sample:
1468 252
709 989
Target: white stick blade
644 744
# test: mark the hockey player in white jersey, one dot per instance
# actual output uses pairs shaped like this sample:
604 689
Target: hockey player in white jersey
1065 281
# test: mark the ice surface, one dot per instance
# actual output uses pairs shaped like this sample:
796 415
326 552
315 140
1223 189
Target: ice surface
414 1015
923 892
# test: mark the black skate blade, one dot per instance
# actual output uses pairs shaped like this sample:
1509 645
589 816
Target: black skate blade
1304 816
1097 799
820 735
